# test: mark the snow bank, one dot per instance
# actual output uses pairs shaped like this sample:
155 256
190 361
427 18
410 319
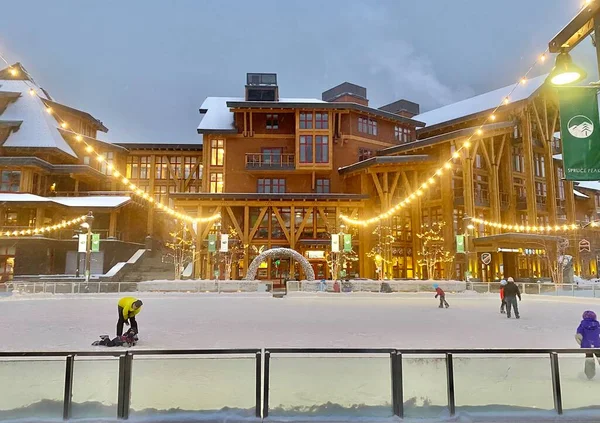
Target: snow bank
204 286
369 285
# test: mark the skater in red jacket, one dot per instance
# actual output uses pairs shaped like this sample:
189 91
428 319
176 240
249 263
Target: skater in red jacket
440 293
503 303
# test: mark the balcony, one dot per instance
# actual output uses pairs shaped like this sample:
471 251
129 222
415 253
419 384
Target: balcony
504 201
540 201
260 161
521 202
482 198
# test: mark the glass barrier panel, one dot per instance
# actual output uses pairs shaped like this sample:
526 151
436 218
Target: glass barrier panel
503 384
578 392
530 288
95 387
223 385
330 385
547 289
425 392
32 388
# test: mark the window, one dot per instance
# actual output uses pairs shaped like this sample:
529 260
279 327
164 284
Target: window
306 120
518 159
217 152
176 166
367 125
273 186
272 121
10 181
540 170
323 186
321 149
216 182
306 149
189 164
145 164
402 134
322 120
86 160
364 154
597 200
162 167
160 193
271 156
110 159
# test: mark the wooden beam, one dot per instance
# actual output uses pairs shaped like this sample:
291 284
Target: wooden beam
378 187
303 223
548 134
234 221
539 122
486 155
261 215
324 217
282 223
209 225
191 175
501 150
394 185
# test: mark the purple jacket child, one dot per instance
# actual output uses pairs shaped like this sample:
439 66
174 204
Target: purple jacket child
588 332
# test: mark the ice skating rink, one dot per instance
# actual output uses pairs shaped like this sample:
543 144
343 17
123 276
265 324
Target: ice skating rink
331 320
178 388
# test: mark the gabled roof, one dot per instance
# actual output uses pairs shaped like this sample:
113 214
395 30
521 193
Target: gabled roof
382 160
96 122
38 128
104 201
480 103
591 185
216 116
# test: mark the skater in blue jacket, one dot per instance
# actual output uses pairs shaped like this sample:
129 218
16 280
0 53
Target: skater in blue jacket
588 336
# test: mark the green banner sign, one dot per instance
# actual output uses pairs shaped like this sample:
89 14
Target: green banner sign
347 243
460 244
580 132
212 243
95 243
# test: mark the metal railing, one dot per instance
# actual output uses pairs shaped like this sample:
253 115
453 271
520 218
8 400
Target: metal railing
270 161
261 386
541 288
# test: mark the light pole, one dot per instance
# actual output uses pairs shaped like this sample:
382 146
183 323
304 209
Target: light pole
76 234
88 245
468 226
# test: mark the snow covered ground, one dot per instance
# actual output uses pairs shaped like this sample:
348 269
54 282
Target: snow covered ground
309 387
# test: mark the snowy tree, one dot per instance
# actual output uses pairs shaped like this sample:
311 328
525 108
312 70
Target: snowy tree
381 253
432 250
181 249
338 261
555 253
233 254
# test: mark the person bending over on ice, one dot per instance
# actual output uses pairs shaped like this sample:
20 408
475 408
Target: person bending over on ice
129 307
588 336
503 303
439 292
511 292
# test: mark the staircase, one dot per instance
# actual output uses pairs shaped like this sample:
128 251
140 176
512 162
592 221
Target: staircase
151 268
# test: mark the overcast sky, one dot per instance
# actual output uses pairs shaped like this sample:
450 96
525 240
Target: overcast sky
143 67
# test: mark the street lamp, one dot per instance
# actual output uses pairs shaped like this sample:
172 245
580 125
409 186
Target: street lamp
468 227
565 72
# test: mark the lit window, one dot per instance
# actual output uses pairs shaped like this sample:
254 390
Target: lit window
10 181
217 152
216 182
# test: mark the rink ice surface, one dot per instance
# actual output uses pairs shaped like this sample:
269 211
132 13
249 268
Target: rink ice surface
306 387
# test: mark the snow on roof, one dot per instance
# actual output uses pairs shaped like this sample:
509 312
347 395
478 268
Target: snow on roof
39 129
579 194
593 185
557 157
92 201
218 117
480 103
18 197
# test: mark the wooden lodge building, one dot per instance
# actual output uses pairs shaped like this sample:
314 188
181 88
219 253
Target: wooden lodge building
281 171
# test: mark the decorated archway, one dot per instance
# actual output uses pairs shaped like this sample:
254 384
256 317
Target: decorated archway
276 253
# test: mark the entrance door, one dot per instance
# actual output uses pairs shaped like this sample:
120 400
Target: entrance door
320 268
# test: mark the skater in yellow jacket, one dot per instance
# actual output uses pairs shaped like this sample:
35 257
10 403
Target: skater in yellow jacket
129 307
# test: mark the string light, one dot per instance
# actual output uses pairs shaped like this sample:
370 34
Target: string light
447 165
13 71
44 229
112 172
527 228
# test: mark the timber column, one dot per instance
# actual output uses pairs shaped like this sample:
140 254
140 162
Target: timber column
448 213
529 178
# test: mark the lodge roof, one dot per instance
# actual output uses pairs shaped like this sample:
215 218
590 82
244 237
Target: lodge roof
218 116
492 128
379 160
96 122
104 201
486 102
50 167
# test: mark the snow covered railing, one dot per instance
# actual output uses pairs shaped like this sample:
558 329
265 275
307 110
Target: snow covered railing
75 287
345 384
564 290
206 286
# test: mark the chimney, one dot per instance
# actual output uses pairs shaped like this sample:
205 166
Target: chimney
346 93
403 108
262 87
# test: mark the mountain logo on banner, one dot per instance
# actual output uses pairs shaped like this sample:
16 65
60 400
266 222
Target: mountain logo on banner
580 126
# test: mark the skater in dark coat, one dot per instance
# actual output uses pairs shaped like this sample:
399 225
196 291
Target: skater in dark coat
588 336
503 303
439 292
511 292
